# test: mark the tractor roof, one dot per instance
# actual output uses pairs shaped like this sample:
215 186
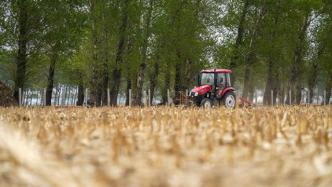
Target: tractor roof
217 71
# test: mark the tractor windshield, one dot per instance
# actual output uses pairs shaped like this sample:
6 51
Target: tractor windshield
206 79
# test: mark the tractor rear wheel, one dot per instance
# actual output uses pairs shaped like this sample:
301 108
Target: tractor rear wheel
207 103
229 100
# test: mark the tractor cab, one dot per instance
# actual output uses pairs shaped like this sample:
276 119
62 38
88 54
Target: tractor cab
213 88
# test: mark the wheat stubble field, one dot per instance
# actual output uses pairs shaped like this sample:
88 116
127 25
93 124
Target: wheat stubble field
285 146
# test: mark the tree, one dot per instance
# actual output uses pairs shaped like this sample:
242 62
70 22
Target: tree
325 45
122 33
20 27
161 45
239 38
63 23
145 44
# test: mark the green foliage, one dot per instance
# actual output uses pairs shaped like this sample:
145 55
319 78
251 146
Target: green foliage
185 36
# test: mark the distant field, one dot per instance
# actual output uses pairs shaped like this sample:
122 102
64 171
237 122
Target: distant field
289 146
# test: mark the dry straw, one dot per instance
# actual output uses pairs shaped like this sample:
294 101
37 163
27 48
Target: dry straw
283 146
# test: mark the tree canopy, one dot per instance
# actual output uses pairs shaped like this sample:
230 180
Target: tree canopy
270 45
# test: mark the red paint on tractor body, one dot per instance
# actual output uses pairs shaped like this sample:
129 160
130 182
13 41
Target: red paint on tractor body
201 90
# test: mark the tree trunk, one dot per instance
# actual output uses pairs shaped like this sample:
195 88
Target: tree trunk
21 58
95 87
312 81
104 88
166 86
105 83
129 85
127 90
178 85
271 84
80 94
139 86
239 40
142 67
282 94
311 90
277 86
247 77
116 74
50 80
328 88
180 76
189 73
251 90
65 96
116 78
154 79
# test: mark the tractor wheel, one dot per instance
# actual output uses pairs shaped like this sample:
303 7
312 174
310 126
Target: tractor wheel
207 103
229 100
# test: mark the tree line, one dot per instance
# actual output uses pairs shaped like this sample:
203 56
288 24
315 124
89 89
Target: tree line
159 45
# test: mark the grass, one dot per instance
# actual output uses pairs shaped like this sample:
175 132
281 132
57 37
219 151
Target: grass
281 146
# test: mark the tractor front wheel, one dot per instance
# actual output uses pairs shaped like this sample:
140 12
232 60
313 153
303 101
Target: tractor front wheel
207 103
229 100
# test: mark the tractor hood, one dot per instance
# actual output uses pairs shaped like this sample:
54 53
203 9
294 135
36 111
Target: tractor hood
201 90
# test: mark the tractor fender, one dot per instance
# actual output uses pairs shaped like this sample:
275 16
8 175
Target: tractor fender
226 90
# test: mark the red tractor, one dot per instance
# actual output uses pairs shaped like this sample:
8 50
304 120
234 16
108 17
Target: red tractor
214 88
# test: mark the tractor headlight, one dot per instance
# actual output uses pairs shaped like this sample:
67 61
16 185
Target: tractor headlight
193 94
